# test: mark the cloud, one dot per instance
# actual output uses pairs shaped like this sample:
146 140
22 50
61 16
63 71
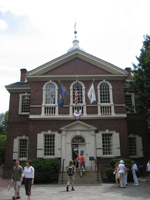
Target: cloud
3 24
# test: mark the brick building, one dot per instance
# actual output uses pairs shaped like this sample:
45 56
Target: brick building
37 128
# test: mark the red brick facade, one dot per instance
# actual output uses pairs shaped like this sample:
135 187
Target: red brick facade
19 125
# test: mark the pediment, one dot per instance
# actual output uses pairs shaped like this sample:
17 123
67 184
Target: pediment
78 125
51 68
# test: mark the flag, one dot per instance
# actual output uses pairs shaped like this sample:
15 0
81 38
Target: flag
76 94
61 97
91 94
77 114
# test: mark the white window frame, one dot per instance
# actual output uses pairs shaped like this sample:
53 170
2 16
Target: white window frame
20 104
133 100
16 148
52 109
139 146
40 144
115 144
78 105
105 105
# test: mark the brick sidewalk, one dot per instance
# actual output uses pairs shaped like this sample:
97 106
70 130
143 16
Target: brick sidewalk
3 183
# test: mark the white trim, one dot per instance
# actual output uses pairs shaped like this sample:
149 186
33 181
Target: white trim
78 104
76 54
115 143
16 147
56 98
68 117
111 104
133 100
20 104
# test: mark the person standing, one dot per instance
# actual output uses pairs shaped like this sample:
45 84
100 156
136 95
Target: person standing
81 160
71 175
28 175
17 179
122 174
126 175
148 169
134 169
117 174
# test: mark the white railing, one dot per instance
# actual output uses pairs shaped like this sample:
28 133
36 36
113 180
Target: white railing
77 108
106 109
49 110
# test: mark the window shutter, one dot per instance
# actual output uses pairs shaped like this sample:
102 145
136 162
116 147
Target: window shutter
40 145
139 147
57 145
99 144
116 145
15 149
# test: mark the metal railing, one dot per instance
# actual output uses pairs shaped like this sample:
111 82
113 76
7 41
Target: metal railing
63 170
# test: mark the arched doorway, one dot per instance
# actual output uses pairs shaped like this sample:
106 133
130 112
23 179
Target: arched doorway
78 147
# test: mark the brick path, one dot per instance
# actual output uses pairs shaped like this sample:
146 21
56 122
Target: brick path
3 183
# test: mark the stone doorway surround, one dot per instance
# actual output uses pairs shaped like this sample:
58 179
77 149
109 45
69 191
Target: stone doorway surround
78 128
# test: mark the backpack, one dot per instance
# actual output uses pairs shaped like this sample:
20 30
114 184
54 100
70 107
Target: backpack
70 170
83 161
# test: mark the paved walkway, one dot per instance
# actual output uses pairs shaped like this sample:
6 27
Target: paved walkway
88 192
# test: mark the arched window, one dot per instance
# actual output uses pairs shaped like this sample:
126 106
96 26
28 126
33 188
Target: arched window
105 98
78 139
104 93
50 94
80 95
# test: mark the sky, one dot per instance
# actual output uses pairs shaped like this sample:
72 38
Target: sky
33 32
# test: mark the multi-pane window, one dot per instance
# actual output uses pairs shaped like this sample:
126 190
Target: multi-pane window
50 94
25 106
23 148
104 93
49 145
132 146
80 98
128 100
107 144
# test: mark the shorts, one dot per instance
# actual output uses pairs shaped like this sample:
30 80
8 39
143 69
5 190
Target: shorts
17 185
71 178
82 165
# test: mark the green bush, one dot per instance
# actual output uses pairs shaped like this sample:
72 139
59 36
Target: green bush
109 171
44 169
3 139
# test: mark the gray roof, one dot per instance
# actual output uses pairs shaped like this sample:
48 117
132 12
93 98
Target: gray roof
21 83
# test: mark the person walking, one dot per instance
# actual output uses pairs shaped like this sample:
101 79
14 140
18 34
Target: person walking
148 169
81 160
71 175
17 179
28 174
122 174
117 175
126 175
134 169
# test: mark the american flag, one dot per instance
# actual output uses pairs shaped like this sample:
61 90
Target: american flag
76 94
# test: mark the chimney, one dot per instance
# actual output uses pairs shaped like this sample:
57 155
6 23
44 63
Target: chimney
128 69
22 76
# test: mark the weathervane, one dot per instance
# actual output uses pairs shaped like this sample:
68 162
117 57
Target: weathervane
75 32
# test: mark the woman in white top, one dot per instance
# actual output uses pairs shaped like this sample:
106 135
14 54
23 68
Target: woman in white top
148 169
122 174
28 175
134 169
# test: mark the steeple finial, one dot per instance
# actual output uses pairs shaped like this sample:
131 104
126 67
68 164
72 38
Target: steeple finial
75 32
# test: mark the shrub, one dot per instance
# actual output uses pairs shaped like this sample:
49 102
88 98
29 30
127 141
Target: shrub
3 140
44 169
109 171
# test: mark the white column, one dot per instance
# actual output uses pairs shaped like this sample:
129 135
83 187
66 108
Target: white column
63 148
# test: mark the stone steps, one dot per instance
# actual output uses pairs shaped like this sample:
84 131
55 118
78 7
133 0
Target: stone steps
90 177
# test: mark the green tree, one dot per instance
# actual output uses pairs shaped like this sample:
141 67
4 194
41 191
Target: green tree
140 82
3 123
3 139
